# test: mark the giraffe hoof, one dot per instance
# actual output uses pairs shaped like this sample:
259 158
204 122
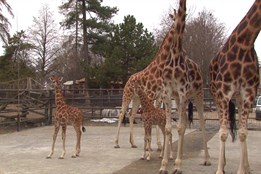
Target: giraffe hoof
74 156
61 157
48 157
176 171
133 146
116 146
163 172
206 163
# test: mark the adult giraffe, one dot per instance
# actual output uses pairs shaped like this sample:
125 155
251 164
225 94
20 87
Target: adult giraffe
234 72
182 80
150 81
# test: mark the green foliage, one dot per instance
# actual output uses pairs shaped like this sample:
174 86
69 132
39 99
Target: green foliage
14 63
131 48
97 21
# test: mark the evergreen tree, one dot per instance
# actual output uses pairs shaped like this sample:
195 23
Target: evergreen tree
130 50
16 59
91 19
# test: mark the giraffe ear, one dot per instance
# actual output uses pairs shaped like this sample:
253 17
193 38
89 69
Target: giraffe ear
51 78
60 79
173 16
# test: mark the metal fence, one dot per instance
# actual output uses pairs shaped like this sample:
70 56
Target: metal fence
38 106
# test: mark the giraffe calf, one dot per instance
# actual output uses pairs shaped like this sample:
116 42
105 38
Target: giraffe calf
64 115
151 116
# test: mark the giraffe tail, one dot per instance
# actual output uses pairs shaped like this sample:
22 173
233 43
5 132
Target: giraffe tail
83 129
232 120
190 112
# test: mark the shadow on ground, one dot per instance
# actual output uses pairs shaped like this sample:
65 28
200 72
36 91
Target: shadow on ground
192 147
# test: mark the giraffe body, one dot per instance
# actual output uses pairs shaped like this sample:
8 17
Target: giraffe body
182 80
150 81
151 116
65 115
234 73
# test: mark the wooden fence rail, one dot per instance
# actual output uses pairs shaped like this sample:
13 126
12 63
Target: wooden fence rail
38 106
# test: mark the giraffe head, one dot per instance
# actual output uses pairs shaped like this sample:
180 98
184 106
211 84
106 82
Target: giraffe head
56 80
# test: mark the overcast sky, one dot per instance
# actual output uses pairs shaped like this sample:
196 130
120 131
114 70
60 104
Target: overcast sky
149 12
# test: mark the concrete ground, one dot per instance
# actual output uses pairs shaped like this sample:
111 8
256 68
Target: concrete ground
24 152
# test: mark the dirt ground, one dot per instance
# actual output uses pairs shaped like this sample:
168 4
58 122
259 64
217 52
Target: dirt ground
192 148
22 153
133 162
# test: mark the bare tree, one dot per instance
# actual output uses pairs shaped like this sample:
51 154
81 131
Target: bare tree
204 37
67 61
43 35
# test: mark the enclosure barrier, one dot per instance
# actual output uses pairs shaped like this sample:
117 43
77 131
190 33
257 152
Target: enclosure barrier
38 106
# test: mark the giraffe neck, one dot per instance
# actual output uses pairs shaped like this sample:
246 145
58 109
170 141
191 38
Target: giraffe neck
163 51
145 102
249 27
179 27
59 99
156 65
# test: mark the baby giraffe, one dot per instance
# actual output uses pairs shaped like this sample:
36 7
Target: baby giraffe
64 115
151 116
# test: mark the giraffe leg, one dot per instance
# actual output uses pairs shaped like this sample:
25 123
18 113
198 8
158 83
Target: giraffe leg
78 141
243 133
135 105
63 138
164 162
246 162
171 149
170 144
144 155
164 140
222 110
149 142
158 138
145 148
168 127
158 105
223 134
199 106
56 130
181 131
121 114
244 165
